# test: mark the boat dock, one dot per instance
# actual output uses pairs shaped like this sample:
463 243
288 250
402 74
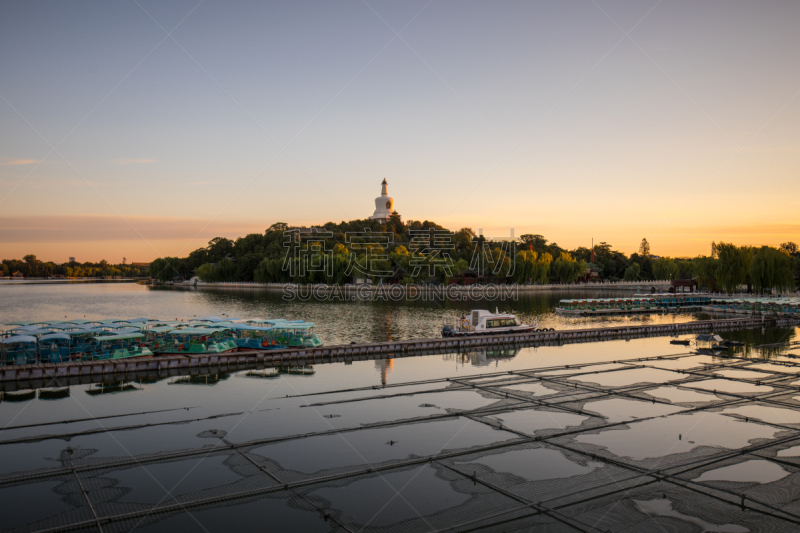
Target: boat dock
632 305
630 311
14 377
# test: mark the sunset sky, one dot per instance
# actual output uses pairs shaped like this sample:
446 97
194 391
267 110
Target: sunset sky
141 129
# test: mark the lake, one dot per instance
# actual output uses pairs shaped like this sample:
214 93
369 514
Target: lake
560 438
338 322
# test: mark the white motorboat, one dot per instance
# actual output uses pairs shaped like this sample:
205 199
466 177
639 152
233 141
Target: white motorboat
483 322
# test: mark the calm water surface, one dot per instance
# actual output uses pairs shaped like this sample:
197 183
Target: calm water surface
337 322
66 426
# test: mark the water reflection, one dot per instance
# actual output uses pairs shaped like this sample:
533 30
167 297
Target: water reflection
483 357
337 322
284 448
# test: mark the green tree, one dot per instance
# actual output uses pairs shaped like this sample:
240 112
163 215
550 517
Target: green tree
644 248
226 270
632 272
279 227
731 265
790 248
207 272
772 269
219 248
566 269
665 269
165 268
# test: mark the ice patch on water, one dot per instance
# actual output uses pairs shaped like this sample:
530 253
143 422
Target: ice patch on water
682 363
741 374
677 395
724 385
771 415
786 369
621 410
663 507
530 420
794 451
536 464
630 377
579 370
678 434
536 388
756 470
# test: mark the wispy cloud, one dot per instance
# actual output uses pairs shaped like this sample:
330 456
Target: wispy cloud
135 161
5 162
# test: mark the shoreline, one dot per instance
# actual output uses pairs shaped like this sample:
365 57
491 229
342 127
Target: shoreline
64 281
397 289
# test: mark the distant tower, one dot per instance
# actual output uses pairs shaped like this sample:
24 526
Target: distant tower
384 205
123 260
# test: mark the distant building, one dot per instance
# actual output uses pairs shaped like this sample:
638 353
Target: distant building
140 264
71 259
384 205
17 274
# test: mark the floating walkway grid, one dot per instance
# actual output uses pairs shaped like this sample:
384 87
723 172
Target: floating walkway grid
571 399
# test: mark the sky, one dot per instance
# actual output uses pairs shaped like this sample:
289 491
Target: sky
143 129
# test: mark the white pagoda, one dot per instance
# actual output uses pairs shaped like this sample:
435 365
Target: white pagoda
384 205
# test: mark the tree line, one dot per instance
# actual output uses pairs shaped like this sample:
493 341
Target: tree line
32 267
421 251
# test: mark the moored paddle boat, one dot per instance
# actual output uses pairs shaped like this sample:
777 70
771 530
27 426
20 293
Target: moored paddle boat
192 341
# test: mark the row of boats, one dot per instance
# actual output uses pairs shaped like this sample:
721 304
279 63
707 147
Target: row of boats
54 341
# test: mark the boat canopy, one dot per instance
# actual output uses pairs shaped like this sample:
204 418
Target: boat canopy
124 336
122 331
293 325
61 327
22 323
19 338
160 329
84 331
216 319
121 327
708 338
29 327
197 331
54 336
243 327
37 331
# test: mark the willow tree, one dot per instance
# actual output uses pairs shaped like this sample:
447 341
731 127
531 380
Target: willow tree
566 269
665 269
770 269
731 268
632 272
207 272
529 265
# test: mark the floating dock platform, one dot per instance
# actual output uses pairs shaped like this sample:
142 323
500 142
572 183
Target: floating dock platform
89 371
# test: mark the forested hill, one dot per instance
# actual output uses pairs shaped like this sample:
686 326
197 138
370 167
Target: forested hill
395 250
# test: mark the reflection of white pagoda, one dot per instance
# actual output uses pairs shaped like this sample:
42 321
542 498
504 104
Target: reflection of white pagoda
384 205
